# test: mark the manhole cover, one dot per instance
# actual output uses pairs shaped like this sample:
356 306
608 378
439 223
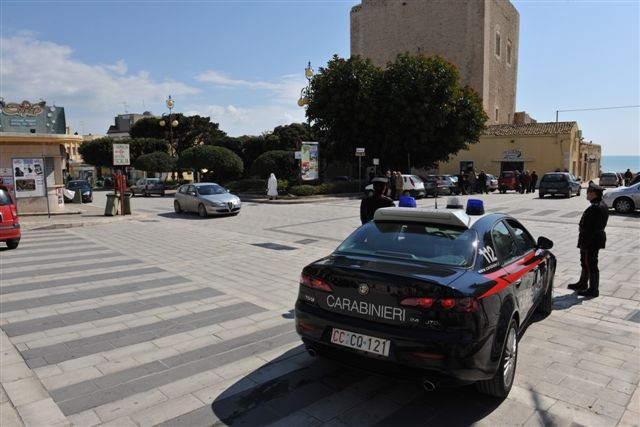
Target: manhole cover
274 246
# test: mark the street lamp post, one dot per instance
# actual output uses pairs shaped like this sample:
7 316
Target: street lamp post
171 123
305 94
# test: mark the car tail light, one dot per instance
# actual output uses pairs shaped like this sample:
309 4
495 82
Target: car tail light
466 305
315 283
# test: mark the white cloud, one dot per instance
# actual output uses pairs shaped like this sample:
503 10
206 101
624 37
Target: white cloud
33 70
92 94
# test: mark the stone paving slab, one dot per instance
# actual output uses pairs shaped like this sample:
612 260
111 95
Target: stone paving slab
578 366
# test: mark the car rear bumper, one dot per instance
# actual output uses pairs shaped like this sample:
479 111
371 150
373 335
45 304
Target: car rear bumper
10 232
449 357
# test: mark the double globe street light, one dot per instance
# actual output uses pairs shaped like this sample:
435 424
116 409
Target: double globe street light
305 94
171 123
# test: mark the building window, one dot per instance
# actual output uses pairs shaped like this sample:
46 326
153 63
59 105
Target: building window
497 44
508 52
496 114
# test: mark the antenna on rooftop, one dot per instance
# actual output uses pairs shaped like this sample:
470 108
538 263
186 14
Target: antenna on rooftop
125 107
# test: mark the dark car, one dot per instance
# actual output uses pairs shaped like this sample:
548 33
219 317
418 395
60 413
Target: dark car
431 186
10 231
440 292
508 180
79 185
559 183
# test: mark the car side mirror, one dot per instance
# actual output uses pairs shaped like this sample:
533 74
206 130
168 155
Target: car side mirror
544 243
192 193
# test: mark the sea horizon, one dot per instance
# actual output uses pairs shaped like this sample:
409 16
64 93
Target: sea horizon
620 163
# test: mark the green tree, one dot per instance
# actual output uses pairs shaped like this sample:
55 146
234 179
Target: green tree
189 131
141 146
222 164
280 162
158 161
412 113
97 152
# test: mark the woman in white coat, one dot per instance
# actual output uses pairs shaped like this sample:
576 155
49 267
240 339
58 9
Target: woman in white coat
272 187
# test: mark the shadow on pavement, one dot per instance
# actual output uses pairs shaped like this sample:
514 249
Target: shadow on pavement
356 397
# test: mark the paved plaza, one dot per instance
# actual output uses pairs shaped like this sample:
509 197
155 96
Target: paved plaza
159 319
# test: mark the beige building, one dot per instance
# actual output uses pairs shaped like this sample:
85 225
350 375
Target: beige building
480 37
543 147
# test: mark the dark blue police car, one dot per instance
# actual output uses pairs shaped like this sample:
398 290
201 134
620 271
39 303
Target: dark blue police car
442 292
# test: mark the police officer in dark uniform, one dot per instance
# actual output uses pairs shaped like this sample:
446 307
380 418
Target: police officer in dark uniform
369 205
591 239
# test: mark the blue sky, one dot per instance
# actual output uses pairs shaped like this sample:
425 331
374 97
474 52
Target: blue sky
242 62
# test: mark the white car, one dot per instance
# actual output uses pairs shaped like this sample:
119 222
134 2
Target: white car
413 183
623 199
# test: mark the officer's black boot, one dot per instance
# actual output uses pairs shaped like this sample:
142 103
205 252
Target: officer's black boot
592 291
581 284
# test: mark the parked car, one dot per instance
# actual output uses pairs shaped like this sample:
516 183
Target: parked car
147 187
492 182
434 186
439 291
609 179
507 181
562 183
79 185
10 231
624 199
413 183
206 198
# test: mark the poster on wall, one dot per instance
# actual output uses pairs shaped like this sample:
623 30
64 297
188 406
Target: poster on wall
28 177
309 161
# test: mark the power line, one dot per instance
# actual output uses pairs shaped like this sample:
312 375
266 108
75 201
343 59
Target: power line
593 109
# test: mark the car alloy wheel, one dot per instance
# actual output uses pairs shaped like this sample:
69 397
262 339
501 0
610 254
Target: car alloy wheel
623 205
202 211
502 381
176 206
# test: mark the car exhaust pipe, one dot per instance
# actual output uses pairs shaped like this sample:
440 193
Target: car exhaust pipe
312 351
428 384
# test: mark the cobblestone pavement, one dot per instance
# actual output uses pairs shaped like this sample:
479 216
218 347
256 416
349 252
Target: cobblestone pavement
159 319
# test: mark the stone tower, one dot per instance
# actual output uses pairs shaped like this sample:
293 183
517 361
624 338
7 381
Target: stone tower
480 37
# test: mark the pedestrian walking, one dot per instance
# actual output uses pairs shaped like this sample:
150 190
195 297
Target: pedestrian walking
482 182
525 181
369 205
628 175
272 187
399 184
591 239
534 181
471 181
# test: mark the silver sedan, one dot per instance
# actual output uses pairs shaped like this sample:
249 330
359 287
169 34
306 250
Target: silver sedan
623 199
206 198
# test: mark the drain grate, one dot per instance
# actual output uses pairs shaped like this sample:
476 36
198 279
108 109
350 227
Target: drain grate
274 246
634 316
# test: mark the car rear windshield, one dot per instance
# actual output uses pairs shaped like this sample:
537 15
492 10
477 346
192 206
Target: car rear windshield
556 177
5 200
428 243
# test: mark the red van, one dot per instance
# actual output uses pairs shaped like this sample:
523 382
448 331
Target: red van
9 222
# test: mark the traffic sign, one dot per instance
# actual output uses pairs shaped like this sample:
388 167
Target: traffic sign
121 155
